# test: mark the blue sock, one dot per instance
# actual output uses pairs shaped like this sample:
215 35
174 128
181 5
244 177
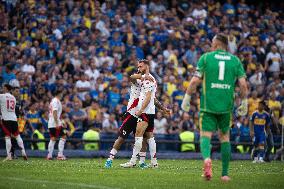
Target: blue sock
255 152
261 153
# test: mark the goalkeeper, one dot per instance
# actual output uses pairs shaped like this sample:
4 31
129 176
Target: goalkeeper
218 72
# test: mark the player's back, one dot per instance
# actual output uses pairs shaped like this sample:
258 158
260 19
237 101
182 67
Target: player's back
220 70
135 90
55 104
148 86
8 105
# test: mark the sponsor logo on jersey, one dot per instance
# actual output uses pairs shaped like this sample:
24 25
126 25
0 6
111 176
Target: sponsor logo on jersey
220 86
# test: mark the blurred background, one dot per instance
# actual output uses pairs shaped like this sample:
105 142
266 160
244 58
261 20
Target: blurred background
89 48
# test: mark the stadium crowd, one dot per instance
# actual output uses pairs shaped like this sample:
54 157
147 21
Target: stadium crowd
89 48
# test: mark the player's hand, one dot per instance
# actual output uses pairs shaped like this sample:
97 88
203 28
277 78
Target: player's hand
64 125
185 106
149 78
138 113
243 108
167 112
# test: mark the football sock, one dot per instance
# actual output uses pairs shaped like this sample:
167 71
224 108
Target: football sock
261 153
205 147
21 144
51 147
8 146
226 156
61 146
255 152
152 149
112 154
142 156
137 148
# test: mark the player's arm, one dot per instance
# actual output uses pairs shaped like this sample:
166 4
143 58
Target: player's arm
194 82
55 118
241 75
145 103
243 108
159 105
133 78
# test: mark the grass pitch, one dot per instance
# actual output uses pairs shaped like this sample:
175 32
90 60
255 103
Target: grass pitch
90 173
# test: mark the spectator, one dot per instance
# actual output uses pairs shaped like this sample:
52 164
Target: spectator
78 116
273 61
161 124
83 86
253 102
33 116
110 125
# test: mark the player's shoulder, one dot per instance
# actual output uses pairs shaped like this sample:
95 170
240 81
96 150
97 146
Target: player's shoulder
255 113
266 113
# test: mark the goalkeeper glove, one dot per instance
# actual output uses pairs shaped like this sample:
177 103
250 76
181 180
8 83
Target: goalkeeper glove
243 108
185 106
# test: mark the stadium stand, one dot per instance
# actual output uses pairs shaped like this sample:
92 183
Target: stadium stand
59 44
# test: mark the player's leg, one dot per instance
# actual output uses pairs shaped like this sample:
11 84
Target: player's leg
268 148
142 153
8 143
116 146
52 141
13 148
207 124
152 148
261 147
61 144
224 124
128 126
256 149
140 130
18 138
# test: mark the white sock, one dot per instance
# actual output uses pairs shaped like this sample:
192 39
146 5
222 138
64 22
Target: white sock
136 149
112 154
61 146
51 148
8 146
21 144
152 149
142 157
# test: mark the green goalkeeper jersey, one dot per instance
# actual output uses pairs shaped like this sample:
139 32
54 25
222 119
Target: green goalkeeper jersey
219 71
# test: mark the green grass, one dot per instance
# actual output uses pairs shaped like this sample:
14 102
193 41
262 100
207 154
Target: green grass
90 173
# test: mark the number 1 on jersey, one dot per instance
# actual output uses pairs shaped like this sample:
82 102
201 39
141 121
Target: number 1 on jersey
221 70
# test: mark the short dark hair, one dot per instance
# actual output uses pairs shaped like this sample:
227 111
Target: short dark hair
57 92
222 38
8 87
145 61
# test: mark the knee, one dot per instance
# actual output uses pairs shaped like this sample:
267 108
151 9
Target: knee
139 133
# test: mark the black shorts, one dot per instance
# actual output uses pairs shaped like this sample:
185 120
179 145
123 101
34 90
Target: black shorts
56 132
10 128
128 125
149 118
